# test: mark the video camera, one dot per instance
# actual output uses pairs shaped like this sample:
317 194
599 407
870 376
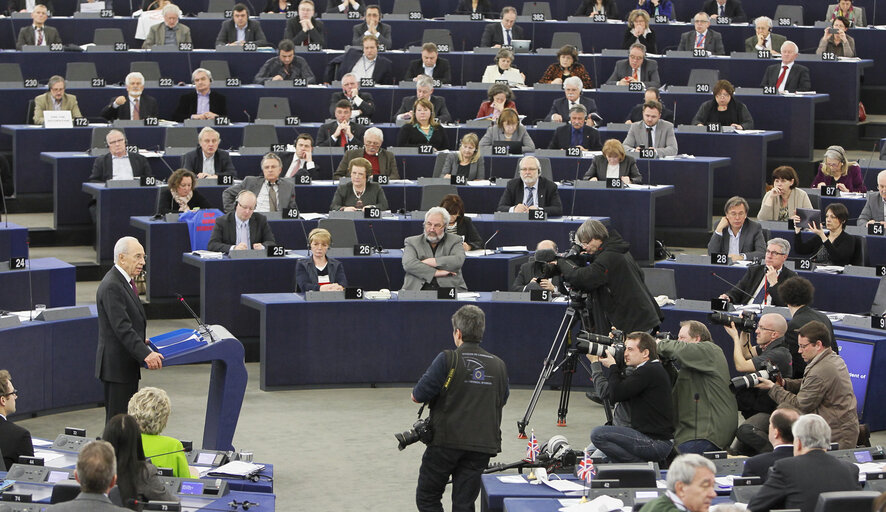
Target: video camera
769 371
747 322
544 257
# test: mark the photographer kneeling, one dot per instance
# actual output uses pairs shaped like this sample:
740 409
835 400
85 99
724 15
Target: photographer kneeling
825 388
770 355
648 391
466 388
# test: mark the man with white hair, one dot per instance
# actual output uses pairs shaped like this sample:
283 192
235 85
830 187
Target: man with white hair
787 76
572 87
530 191
119 164
383 161
170 32
134 105
362 103
795 482
690 486
875 208
202 102
208 160
764 39
434 259
122 343
424 89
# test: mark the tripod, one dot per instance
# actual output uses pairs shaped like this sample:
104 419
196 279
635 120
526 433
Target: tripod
561 347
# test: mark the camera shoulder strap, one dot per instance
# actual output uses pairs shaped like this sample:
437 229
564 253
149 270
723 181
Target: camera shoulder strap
454 356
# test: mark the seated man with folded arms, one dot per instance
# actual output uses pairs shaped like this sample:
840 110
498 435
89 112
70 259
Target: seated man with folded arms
434 258
208 160
55 99
241 228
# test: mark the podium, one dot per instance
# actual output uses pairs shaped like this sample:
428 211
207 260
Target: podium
227 380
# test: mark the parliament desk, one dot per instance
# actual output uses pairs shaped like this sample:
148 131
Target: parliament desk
48 281
875 245
168 275
53 361
834 292
223 281
638 228
13 241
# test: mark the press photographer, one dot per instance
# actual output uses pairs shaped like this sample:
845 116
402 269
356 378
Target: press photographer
614 278
825 388
705 407
648 392
466 388
770 355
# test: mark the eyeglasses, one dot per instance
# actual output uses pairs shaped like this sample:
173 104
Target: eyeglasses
250 208
774 253
803 345
13 392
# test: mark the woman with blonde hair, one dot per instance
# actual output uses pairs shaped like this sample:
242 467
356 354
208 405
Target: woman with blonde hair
151 407
464 162
319 272
614 163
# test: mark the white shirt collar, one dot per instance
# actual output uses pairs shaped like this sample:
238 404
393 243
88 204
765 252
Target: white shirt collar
125 275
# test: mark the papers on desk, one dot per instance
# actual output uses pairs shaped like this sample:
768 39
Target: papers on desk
48 457
513 248
512 479
677 157
237 468
208 255
829 269
742 263
313 216
564 485
479 183
749 132
599 504
868 467
40 443
479 252
854 195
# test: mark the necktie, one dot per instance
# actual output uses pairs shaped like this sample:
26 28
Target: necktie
135 114
699 41
296 166
784 71
39 37
134 287
636 74
530 200
343 140
763 295
723 10
509 37
272 196
649 142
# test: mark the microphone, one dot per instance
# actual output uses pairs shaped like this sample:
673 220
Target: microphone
200 323
488 240
464 44
169 453
675 111
391 115
574 190
596 84
30 286
248 117
3 201
403 210
545 255
380 250
870 159
734 287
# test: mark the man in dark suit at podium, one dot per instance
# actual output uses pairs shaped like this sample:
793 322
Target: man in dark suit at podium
14 440
122 344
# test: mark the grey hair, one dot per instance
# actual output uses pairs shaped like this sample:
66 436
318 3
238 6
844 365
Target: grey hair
683 469
796 48
881 175
763 19
424 81
812 431
591 230
54 79
172 8
781 242
736 201
134 74
349 74
208 130
114 131
504 53
579 108
537 163
707 17
641 46
573 80
471 321
441 211
122 246
201 70
271 156
96 466
374 131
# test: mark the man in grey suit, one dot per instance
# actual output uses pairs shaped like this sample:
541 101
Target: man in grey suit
55 99
38 33
372 26
424 89
97 473
652 132
240 29
702 37
636 68
737 235
274 194
434 259
122 344
764 39
241 229
875 207
170 32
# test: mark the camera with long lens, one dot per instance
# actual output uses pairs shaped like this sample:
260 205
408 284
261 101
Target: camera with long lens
420 431
769 371
598 345
747 322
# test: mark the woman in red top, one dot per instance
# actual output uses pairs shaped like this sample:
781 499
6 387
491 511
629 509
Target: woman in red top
500 97
567 65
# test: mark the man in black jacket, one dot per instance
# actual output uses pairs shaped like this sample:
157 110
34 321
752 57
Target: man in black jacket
362 103
430 64
208 160
465 414
782 439
135 105
528 279
202 102
118 164
500 34
577 133
285 66
753 288
798 293
240 29
531 191
241 228
15 440
731 9
648 390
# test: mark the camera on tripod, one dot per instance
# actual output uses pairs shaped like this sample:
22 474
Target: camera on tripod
747 322
769 371
545 257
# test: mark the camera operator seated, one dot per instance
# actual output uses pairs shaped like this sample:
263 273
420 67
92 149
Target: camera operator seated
754 404
531 277
651 434
705 407
759 285
798 293
736 234
825 388
780 437
612 276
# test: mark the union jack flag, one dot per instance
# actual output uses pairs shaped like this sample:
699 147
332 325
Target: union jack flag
586 469
532 448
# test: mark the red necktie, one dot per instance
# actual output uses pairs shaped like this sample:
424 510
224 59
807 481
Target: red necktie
344 140
134 287
135 113
784 71
39 37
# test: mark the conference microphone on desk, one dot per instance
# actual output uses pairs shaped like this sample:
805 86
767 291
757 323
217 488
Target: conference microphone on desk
488 240
200 323
733 286
380 250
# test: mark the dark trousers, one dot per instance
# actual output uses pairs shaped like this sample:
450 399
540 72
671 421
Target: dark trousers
437 464
117 395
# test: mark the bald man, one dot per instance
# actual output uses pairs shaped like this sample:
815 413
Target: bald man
528 278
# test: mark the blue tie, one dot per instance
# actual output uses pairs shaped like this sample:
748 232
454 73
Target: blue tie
509 36
530 200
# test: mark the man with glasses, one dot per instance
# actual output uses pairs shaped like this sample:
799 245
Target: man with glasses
702 37
760 283
636 68
383 161
242 228
434 259
875 208
55 99
134 105
273 193
824 389
15 441
530 191
119 164
754 404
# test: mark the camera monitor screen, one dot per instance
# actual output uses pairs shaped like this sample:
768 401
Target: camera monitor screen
862 457
205 458
191 488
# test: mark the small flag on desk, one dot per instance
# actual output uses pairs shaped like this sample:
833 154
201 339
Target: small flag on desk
532 448
586 469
